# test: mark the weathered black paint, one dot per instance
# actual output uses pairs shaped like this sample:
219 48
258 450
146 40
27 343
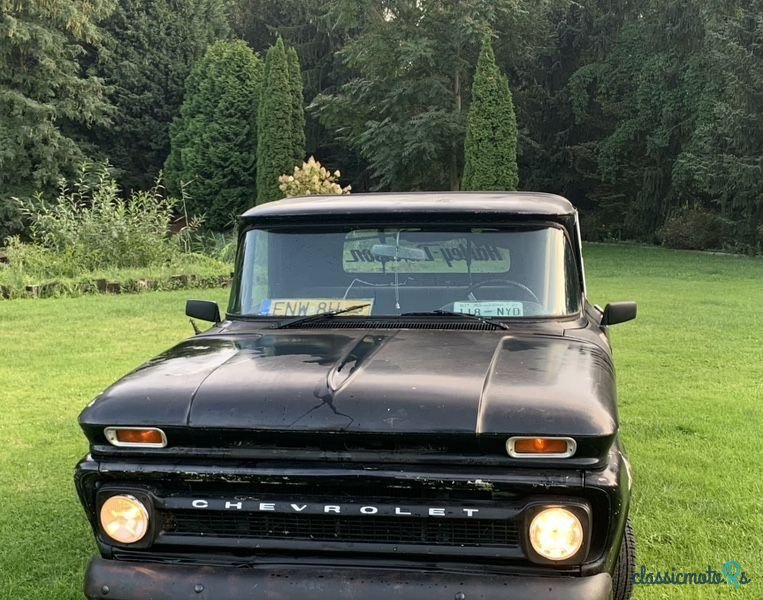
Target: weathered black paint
385 416
114 580
405 382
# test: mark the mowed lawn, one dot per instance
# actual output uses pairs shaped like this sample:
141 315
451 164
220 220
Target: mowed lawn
690 374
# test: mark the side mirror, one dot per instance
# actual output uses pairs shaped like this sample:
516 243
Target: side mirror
203 310
618 312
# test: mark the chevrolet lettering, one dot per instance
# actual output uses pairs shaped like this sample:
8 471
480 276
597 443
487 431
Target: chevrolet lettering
344 509
409 396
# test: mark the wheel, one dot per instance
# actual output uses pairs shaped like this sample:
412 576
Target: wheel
622 579
510 282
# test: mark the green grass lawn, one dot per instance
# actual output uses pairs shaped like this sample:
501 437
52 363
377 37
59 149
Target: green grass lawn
691 394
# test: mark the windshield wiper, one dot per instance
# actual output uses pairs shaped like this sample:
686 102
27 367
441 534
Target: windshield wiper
321 315
450 313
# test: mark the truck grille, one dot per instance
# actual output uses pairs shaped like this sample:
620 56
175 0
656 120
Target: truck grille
361 529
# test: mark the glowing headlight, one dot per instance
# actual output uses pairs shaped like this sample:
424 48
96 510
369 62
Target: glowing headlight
124 519
556 533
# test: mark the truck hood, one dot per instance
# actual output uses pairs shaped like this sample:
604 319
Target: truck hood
408 381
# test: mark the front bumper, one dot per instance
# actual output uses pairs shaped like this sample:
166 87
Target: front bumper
115 580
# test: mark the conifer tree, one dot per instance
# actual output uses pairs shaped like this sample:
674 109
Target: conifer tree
298 106
275 143
151 48
491 131
46 97
214 140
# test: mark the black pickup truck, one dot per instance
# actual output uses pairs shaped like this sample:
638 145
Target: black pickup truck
409 396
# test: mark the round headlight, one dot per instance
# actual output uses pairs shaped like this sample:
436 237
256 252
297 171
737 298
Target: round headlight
556 533
124 519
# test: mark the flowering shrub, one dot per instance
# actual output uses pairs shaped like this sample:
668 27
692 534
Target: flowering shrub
311 179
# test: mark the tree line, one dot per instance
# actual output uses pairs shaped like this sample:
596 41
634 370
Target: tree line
647 114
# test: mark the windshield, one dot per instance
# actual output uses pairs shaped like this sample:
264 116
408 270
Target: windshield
484 271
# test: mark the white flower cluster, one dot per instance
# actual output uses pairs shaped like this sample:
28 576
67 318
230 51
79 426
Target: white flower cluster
311 179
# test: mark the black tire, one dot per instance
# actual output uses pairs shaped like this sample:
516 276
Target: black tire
622 579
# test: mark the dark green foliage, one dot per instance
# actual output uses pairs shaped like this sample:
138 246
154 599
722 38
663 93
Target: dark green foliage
214 140
298 106
561 127
404 108
303 25
46 98
275 141
652 83
151 49
308 26
677 112
490 161
633 109
692 229
10 218
722 164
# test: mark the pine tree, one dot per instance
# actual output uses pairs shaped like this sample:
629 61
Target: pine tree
275 144
46 98
491 132
308 27
410 65
214 140
151 48
298 106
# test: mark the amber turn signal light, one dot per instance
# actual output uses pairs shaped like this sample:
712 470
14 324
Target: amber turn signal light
143 437
540 447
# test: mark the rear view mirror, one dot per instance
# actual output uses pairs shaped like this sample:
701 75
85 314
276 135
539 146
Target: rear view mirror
203 310
618 312
399 252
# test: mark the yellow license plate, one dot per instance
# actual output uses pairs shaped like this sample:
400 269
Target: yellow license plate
303 307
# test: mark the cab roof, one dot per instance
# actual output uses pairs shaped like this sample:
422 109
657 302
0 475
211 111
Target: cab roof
504 203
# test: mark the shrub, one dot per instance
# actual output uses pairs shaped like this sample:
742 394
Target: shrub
275 130
298 105
10 219
311 179
692 229
591 227
214 139
602 222
490 149
219 246
90 228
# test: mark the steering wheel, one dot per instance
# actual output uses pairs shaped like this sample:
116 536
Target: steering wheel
511 282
